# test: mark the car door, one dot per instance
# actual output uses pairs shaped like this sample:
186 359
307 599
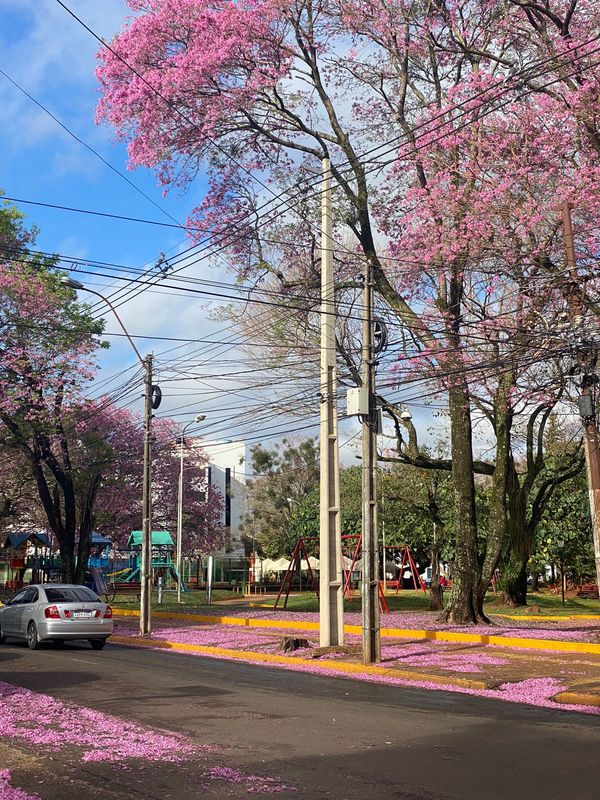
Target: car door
8 619
26 611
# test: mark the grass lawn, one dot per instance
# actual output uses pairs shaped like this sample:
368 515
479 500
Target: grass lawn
193 600
550 604
406 600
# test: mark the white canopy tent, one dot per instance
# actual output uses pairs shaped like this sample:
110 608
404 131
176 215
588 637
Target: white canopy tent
271 565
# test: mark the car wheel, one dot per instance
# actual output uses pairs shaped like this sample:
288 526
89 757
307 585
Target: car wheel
97 644
2 637
33 641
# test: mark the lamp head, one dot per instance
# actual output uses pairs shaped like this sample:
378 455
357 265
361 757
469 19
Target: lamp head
406 416
200 417
71 283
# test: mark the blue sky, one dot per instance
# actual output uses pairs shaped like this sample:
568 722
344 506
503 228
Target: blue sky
53 59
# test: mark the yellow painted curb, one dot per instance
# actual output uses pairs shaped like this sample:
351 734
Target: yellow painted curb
589 648
543 618
244 622
270 658
577 698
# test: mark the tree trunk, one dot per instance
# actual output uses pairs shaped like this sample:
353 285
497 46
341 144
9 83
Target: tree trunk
498 516
462 606
515 584
436 593
67 565
535 581
513 573
85 530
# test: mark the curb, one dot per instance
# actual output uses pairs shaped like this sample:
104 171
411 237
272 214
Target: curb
589 648
548 618
317 664
577 698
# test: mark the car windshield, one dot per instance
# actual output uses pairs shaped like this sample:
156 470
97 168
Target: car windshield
71 594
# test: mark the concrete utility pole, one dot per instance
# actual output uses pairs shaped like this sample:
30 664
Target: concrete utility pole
586 403
146 588
383 547
370 576
152 400
331 591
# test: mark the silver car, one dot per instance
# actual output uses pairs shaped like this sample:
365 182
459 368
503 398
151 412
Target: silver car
56 612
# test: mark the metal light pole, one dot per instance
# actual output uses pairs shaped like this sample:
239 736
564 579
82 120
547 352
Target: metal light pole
199 418
151 401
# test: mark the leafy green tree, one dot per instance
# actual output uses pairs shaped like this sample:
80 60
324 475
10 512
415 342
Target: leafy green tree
283 480
47 348
567 520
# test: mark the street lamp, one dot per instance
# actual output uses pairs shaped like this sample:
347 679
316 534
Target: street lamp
198 418
560 545
152 399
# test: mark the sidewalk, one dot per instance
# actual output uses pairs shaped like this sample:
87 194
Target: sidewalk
523 668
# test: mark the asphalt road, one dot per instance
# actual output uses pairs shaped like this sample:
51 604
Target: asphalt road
330 738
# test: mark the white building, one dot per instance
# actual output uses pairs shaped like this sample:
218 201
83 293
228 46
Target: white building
226 470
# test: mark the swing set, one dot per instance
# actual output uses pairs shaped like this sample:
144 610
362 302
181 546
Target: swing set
353 545
406 562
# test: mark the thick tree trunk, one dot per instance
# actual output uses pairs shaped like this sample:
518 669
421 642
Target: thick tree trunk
85 530
498 517
67 565
462 606
515 584
513 572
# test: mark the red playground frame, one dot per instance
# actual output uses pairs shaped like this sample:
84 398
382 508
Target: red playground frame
300 552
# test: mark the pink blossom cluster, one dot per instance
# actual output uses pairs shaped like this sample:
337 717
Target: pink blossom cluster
567 629
8 792
438 654
535 691
254 784
43 720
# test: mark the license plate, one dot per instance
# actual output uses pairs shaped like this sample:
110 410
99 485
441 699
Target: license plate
82 614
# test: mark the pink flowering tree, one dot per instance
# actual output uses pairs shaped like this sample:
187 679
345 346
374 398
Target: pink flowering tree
456 131
118 509
47 344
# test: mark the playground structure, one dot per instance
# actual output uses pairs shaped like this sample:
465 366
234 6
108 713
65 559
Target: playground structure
407 562
353 545
28 557
19 559
161 563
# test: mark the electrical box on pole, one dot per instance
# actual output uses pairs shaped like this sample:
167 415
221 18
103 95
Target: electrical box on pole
357 402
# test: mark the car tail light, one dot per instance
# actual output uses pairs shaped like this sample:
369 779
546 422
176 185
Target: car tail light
97 613
67 613
51 612
108 612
